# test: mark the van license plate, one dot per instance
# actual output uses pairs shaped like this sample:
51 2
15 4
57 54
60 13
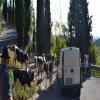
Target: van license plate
68 81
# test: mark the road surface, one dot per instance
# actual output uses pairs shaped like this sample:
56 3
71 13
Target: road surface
90 87
90 91
7 37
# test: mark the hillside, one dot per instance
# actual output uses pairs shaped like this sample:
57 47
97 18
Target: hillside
95 38
97 42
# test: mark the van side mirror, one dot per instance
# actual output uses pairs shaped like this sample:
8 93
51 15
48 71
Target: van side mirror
56 62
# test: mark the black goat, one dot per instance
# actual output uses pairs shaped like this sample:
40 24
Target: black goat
25 77
21 56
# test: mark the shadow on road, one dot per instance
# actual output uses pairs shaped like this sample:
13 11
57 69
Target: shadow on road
86 76
53 93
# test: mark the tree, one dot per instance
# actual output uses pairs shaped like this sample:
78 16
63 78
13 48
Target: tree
47 27
93 54
57 43
79 24
13 16
63 30
10 13
71 22
53 50
39 26
5 10
43 27
28 21
19 20
34 31
1 2
61 43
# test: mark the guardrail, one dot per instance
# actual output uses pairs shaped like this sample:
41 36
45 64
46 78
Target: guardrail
96 67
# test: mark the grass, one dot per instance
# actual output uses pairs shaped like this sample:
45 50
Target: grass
11 54
95 73
20 92
1 29
23 93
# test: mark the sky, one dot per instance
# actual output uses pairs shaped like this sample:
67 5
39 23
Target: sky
60 8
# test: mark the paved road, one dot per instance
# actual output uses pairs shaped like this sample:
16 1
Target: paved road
90 91
7 37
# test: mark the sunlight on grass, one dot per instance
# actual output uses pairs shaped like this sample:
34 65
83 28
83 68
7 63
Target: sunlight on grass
20 92
95 73
18 65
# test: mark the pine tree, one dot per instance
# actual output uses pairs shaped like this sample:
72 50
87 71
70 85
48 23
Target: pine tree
80 24
34 32
43 34
39 26
71 22
28 20
19 20
10 12
1 2
5 10
47 24
13 16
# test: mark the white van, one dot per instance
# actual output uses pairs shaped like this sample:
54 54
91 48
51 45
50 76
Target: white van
69 69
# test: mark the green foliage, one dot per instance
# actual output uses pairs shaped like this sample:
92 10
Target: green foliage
28 21
60 43
92 54
20 92
53 46
10 13
19 20
79 24
97 53
97 42
23 93
5 10
57 44
95 73
47 23
43 28
34 31
1 2
39 26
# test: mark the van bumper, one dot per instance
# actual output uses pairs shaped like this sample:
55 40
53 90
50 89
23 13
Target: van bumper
72 90
73 86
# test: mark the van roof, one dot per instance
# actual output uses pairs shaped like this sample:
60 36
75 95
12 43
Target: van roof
70 48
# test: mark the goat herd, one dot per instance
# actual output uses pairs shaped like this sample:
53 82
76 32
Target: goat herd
42 67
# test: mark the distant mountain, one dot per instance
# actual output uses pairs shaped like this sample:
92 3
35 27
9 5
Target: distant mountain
95 38
97 42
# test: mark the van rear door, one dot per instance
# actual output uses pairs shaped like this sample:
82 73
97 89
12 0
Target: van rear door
71 67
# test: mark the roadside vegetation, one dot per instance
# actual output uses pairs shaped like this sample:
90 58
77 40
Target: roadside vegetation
20 92
95 72
1 28
21 16
96 62
97 54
